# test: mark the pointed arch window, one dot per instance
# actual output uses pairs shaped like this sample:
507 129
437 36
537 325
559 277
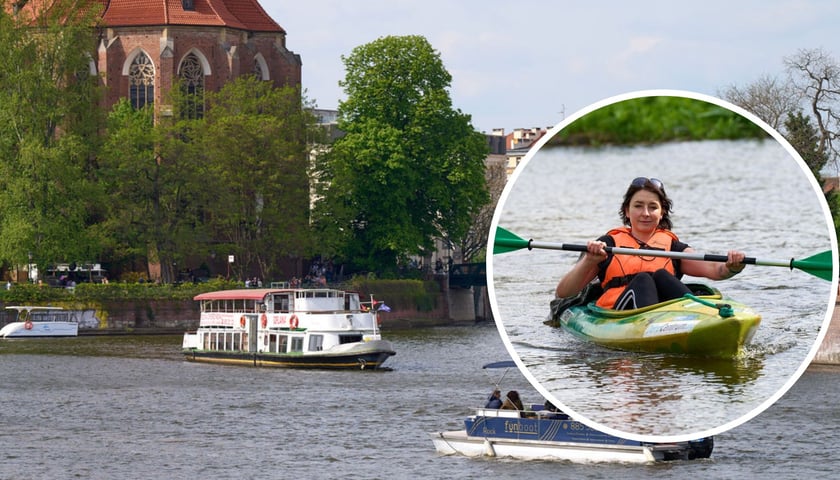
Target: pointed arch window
192 85
141 81
258 71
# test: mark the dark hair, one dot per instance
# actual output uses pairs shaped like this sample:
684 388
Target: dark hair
667 204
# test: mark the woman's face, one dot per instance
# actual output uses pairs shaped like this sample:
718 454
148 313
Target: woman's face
644 212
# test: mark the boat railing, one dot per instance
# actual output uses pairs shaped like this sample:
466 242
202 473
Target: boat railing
498 412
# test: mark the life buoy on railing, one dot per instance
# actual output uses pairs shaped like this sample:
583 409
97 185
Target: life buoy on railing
293 322
27 325
263 320
242 321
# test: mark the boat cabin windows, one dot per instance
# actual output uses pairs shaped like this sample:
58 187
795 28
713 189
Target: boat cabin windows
226 341
319 300
281 303
342 339
351 302
277 343
231 306
316 343
297 344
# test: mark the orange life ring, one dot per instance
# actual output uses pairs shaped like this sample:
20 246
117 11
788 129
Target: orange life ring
264 320
27 325
293 322
242 321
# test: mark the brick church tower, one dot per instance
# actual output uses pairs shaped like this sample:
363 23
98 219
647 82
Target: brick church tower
146 44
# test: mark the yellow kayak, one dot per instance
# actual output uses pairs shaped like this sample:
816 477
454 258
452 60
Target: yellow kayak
697 324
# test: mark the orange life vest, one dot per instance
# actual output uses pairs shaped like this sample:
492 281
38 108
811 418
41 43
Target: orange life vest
621 268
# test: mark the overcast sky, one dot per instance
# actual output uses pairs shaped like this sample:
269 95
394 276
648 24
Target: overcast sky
528 63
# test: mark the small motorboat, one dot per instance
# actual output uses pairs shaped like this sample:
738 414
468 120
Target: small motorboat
542 432
34 321
701 323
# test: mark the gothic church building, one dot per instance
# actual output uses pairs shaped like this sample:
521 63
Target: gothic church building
145 45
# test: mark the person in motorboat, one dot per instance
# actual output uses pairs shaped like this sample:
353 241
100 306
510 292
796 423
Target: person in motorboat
495 400
551 411
633 281
512 401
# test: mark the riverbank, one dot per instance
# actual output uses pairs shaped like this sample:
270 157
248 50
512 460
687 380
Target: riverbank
161 317
829 351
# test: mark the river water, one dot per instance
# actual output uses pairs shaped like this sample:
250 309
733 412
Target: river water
130 407
745 195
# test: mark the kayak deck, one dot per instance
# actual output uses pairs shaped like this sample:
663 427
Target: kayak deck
697 325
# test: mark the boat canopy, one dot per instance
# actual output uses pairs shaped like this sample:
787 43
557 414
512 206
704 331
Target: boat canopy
502 364
241 294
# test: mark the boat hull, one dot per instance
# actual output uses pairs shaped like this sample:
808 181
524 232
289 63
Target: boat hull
681 326
504 434
362 356
39 329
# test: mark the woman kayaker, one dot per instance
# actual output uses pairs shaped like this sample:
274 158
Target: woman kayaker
632 281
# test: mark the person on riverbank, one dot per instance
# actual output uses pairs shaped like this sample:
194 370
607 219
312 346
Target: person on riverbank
635 281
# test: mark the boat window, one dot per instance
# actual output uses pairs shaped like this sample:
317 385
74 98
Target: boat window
281 303
297 344
342 339
282 345
316 343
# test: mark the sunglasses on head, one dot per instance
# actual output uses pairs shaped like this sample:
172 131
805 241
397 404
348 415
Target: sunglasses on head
642 181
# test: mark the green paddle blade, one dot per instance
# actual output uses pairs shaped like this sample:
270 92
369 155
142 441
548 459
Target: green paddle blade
819 265
507 241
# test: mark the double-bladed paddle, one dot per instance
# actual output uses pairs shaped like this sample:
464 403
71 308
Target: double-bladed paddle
819 265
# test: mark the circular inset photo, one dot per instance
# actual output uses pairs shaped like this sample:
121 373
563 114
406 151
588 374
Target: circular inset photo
662 266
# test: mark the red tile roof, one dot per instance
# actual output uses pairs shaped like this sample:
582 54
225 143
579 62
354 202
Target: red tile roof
241 14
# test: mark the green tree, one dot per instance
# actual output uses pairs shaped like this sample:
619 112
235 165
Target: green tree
254 141
805 138
410 167
48 136
155 177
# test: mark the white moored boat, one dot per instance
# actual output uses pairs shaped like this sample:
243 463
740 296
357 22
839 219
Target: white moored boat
33 321
288 327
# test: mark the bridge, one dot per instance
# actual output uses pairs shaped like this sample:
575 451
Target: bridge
466 275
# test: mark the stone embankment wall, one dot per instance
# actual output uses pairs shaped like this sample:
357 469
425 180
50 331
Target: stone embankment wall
180 316
829 351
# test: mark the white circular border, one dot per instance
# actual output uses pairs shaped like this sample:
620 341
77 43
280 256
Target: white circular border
491 291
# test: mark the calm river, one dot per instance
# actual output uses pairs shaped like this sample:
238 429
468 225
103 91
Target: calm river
130 407
745 195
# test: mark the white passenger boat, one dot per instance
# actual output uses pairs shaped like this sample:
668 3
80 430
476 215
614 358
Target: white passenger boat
288 327
33 321
547 434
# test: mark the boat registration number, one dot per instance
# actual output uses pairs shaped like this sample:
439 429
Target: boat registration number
674 326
